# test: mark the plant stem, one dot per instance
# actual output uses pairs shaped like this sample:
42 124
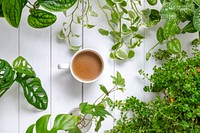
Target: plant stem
107 19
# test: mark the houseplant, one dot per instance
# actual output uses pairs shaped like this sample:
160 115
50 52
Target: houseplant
176 108
72 123
12 10
23 73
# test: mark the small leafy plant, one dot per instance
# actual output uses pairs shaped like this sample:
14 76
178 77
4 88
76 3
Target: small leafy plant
123 22
12 10
175 109
71 123
180 17
23 73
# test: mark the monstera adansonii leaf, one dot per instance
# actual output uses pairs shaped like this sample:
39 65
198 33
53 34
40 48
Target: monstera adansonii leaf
61 122
33 90
6 76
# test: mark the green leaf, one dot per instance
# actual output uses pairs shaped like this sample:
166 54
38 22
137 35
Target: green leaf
152 2
112 55
74 47
116 46
148 55
139 36
197 2
115 16
22 66
33 91
103 32
61 34
6 76
146 12
1 11
189 28
174 46
118 80
92 12
110 3
75 130
103 88
40 18
196 19
121 54
42 123
12 10
30 129
86 108
131 54
159 35
100 110
98 126
131 14
65 122
61 122
56 5
89 26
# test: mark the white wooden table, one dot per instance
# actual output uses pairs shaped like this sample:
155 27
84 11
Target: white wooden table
44 52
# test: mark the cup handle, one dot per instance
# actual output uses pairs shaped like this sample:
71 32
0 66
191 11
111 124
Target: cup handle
63 66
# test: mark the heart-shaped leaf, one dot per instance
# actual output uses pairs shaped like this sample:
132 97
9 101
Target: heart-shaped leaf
22 66
33 91
40 18
12 10
6 76
57 5
196 19
174 46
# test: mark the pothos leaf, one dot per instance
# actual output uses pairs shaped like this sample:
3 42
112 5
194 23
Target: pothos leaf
57 5
61 122
22 66
33 91
74 47
6 76
40 18
196 19
12 10
121 54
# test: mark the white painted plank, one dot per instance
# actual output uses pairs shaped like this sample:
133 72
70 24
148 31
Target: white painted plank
35 47
93 39
9 101
66 91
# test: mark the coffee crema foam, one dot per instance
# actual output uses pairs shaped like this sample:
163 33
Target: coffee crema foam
87 65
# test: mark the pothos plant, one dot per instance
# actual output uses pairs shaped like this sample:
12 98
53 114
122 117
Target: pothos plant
175 109
71 123
12 11
180 17
22 72
123 18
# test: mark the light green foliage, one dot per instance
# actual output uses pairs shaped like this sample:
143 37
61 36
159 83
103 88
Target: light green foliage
175 109
123 21
175 12
33 90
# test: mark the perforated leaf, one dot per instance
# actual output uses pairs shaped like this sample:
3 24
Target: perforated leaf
57 5
22 66
33 91
6 76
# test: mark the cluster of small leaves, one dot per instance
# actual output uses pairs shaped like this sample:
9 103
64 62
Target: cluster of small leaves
71 123
176 110
77 16
175 12
12 10
124 21
23 73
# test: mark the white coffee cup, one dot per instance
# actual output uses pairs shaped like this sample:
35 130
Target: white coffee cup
86 65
